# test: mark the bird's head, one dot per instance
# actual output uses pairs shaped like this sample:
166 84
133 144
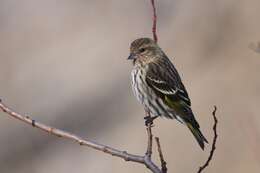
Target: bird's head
143 51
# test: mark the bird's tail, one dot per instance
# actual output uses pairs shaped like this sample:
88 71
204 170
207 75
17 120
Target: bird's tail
197 134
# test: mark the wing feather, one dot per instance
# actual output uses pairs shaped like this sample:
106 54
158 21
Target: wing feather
167 82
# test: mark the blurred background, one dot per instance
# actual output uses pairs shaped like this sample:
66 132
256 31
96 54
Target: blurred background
64 63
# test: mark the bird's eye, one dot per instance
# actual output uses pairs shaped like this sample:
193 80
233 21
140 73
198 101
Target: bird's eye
142 50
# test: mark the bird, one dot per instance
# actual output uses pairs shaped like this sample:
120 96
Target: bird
158 87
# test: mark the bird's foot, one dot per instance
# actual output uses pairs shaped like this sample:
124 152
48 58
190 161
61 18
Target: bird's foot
149 120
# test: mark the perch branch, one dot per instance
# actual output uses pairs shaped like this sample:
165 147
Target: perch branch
149 149
213 147
149 135
145 160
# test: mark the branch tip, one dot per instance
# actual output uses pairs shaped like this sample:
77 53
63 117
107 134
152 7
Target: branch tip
213 146
154 22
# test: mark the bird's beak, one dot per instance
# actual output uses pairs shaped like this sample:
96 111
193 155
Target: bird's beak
131 56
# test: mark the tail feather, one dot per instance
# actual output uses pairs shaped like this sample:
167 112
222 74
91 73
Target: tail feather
197 134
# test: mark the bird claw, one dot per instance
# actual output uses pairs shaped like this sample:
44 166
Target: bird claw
149 120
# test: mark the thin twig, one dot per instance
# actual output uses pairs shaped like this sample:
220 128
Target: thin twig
154 22
213 147
83 142
149 135
163 162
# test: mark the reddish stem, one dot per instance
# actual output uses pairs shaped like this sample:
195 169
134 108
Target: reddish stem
154 22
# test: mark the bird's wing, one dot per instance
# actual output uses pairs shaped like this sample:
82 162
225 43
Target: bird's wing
165 80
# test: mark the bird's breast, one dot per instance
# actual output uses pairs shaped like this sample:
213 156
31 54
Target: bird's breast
146 96
139 84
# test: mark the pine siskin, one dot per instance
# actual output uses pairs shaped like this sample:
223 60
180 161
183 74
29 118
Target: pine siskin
158 86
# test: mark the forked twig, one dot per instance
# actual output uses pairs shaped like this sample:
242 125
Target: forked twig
83 142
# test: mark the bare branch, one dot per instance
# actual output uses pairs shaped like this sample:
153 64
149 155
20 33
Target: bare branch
154 22
145 160
213 147
149 124
163 162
